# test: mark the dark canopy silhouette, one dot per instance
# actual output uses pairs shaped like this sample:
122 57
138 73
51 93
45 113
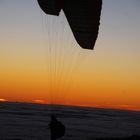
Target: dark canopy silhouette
83 17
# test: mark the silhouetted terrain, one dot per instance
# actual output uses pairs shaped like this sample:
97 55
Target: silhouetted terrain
133 137
24 121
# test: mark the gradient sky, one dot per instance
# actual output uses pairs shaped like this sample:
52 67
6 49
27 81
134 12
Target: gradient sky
41 62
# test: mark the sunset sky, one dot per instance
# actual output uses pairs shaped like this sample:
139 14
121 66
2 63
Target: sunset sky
41 62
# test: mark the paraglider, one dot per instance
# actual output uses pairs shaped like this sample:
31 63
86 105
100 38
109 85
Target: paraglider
56 127
83 17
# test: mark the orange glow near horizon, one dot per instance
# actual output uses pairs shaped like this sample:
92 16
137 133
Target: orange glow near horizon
89 90
3 100
39 101
109 92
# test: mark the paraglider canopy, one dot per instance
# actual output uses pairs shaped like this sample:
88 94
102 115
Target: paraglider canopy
83 17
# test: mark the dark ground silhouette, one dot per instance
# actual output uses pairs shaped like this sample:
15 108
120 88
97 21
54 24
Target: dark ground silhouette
22 121
133 137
